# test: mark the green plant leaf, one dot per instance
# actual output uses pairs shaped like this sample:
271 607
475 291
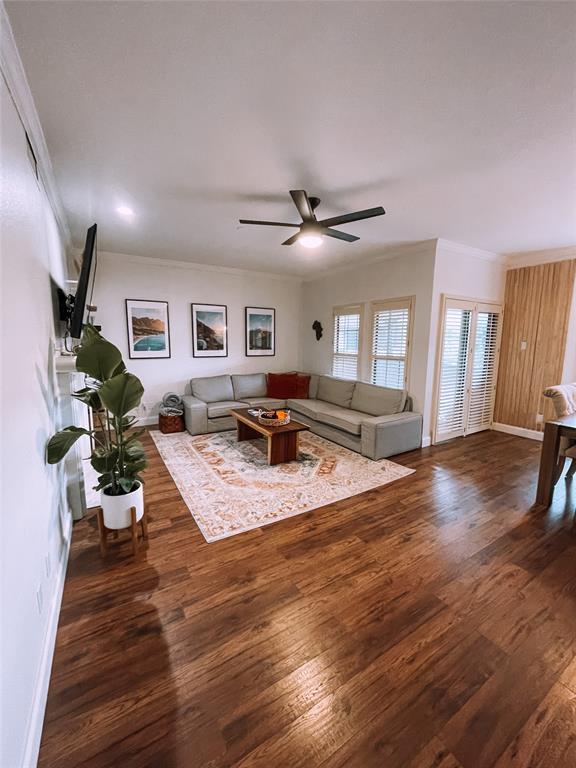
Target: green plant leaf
103 481
60 443
89 396
104 461
89 335
126 483
121 393
134 449
99 359
133 467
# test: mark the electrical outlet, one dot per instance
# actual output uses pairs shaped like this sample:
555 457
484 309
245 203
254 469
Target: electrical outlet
523 346
48 566
539 418
39 599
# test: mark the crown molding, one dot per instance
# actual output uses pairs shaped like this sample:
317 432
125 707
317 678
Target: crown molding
15 77
147 261
385 253
544 256
459 249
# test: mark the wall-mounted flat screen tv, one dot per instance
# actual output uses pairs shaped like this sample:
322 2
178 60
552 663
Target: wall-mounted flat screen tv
78 314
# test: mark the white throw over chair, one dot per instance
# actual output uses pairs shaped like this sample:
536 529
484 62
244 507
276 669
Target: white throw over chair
563 397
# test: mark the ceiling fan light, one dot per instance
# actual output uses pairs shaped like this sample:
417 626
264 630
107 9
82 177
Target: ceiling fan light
310 241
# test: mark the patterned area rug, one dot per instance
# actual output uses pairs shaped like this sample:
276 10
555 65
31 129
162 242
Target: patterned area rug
229 487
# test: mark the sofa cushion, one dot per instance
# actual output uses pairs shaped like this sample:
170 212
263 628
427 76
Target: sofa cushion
282 385
335 391
216 410
265 402
249 385
212 389
341 418
377 401
306 406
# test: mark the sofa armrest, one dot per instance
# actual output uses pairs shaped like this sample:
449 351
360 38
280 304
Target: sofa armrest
195 415
384 436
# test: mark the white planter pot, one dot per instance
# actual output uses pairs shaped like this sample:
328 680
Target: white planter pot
116 509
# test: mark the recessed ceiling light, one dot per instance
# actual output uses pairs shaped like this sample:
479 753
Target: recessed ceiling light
310 241
123 210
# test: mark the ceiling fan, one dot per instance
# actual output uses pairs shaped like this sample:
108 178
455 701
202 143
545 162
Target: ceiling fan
311 230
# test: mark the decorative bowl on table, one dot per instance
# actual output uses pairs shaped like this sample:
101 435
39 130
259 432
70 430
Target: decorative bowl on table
274 418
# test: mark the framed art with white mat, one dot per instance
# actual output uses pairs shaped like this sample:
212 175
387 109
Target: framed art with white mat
148 328
260 332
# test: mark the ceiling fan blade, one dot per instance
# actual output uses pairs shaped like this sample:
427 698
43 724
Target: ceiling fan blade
268 223
357 216
302 202
340 235
291 240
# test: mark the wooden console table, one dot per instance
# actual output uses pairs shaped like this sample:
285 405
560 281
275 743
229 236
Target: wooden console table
564 426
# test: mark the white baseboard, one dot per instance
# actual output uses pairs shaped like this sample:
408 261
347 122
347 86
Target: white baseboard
36 721
426 442
531 434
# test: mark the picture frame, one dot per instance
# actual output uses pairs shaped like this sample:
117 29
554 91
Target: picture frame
260 331
209 330
148 327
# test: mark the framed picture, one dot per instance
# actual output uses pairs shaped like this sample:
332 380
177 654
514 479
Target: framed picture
209 330
260 332
148 329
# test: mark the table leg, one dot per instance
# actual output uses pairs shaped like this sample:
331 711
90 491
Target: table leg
245 432
282 447
548 461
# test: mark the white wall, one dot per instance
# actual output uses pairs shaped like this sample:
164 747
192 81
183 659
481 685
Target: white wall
34 517
121 277
408 272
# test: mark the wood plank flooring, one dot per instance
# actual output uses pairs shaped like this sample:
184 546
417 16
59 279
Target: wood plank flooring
428 624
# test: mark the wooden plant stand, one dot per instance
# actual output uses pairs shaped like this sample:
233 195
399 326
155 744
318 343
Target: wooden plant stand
133 529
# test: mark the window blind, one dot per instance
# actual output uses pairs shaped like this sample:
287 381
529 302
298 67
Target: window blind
483 383
468 365
346 342
390 342
453 373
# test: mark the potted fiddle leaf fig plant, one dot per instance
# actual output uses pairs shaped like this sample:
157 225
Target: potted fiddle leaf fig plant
118 455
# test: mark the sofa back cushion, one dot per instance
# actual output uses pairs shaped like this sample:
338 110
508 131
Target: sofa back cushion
212 389
336 391
377 401
249 385
282 385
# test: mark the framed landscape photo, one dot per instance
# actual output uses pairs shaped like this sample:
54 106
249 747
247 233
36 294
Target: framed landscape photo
209 330
148 329
260 332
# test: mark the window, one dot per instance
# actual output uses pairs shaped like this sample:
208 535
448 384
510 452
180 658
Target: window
391 330
467 368
347 335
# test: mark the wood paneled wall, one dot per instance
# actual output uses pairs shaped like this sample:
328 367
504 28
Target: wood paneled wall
536 312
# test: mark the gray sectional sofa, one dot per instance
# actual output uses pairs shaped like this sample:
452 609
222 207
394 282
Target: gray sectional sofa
374 421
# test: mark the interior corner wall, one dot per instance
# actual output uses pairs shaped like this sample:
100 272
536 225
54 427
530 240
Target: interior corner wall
35 519
409 272
120 277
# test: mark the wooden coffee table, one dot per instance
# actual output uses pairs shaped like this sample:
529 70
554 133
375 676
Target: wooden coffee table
282 441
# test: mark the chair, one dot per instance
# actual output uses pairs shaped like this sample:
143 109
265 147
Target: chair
563 397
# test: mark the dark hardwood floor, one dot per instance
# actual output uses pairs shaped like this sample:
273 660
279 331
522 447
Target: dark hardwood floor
428 624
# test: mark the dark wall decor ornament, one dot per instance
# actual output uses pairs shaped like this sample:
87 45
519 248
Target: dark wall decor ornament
317 328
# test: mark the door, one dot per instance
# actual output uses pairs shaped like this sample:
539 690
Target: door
466 382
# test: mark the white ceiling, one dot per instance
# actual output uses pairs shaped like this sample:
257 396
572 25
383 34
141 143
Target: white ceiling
459 118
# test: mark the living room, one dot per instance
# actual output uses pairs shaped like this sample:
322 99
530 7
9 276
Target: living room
289 384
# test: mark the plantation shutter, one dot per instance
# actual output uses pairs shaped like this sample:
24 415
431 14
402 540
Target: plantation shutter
390 343
347 321
468 363
483 376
